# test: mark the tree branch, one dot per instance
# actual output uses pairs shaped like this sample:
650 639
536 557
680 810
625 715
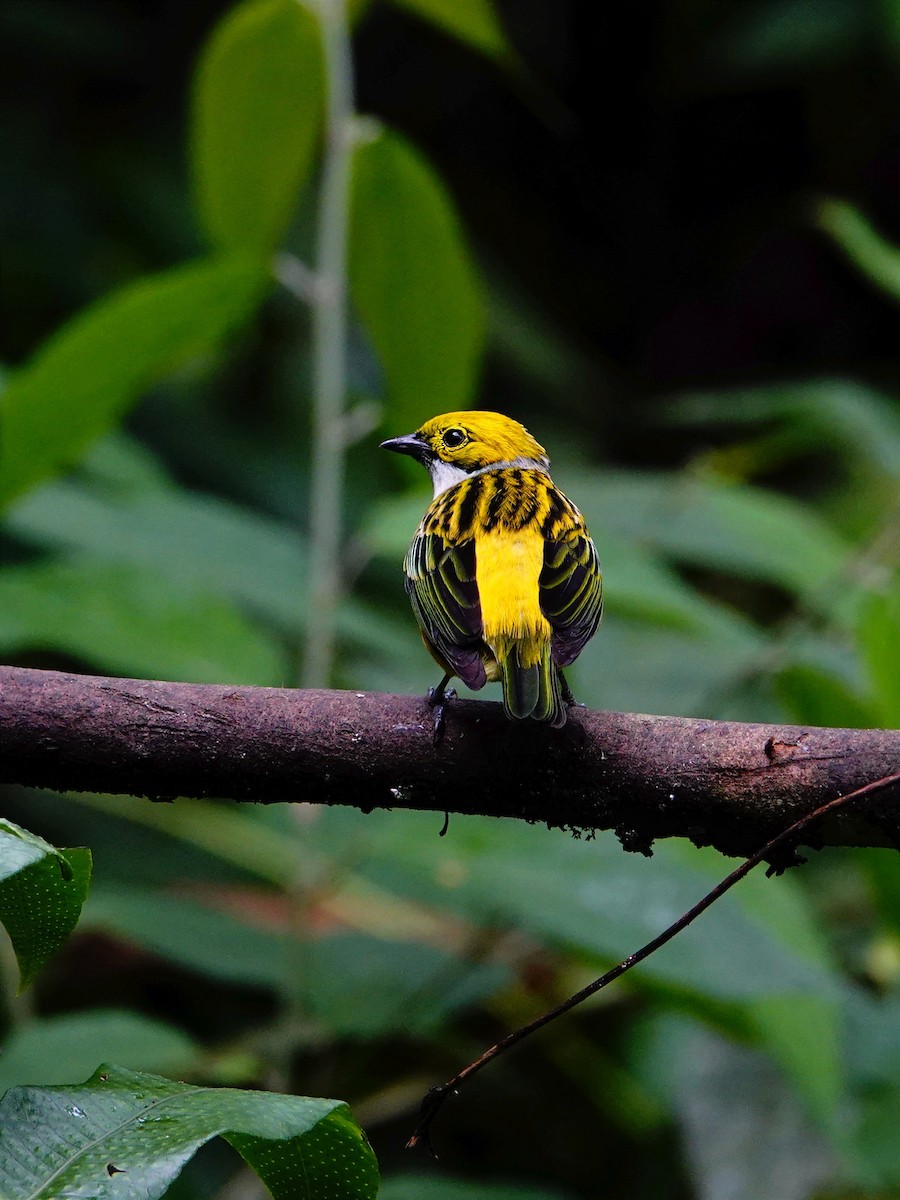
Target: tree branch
727 784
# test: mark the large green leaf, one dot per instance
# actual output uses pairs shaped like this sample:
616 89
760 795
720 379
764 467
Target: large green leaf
354 985
257 118
472 21
193 543
194 935
365 987
196 540
586 895
729 527
815 697
52 1050
859 422
874 1159
872 1056
745 1135
802 1033
880 869
413 282
879 636
42 890
126 1135
82 380
131 621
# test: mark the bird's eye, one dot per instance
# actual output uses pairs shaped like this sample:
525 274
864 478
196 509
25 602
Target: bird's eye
454 438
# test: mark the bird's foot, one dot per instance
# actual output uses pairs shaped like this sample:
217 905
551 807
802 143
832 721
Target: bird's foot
438 698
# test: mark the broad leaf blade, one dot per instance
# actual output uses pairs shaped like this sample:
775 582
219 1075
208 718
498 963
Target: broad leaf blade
131 621
815 697
257 120
42 890
84 378
333 1163
126 1135
879 635
53 1050
746 531
473 22
588 896
413 282
803 1033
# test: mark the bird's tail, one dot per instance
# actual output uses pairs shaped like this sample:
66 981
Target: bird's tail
532 686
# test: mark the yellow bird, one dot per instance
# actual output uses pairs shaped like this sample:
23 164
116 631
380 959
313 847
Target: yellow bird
502 574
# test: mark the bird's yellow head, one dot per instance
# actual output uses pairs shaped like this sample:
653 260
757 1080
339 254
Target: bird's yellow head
457 444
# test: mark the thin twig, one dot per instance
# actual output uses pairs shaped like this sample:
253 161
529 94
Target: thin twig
435 1098
329 311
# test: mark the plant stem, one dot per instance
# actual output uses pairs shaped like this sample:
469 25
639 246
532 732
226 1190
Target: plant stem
329 313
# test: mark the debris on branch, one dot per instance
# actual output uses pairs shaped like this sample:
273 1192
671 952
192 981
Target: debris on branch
728 784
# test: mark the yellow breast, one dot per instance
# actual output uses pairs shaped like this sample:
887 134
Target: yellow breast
507 567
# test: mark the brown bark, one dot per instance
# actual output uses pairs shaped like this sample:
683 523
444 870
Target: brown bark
732 785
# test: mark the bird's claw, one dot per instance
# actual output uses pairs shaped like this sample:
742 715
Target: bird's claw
438 698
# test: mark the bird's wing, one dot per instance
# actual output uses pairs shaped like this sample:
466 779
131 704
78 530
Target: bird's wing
571 593
440 580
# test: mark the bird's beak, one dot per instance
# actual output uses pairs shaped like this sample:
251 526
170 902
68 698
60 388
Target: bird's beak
410 444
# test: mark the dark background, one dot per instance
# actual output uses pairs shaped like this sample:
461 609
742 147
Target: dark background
647 183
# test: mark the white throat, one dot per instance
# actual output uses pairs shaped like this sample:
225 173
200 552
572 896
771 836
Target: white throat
447 475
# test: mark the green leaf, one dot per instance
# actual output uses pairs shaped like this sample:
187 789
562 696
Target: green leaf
187 538
814 697
413 282
745 1135
53 1050
879 637
354 985
803 1035
743 530
871 1045
880 869
42 890
196 936
257 121
634 666
195 544
365 987
587 896
877 258
132 621
83 379
126 1135
472 21
873 1058
859 422
875 1156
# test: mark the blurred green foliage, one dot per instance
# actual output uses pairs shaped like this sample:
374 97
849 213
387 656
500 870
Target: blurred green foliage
153 471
